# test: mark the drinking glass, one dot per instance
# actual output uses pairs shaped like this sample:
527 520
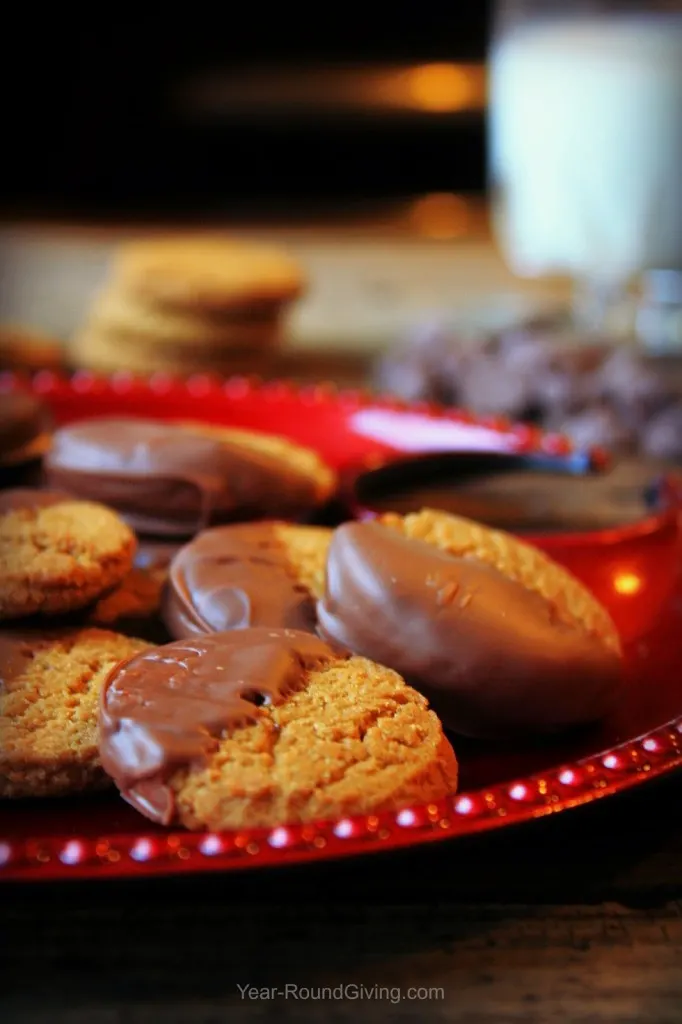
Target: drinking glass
586 154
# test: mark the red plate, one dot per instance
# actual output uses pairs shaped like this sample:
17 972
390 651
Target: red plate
635 571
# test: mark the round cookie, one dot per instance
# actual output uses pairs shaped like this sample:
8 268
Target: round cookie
59 557
207 274
499 638
128 317
49 691
134 606
300 459
105 350
236 577
259 728
25 423
173 479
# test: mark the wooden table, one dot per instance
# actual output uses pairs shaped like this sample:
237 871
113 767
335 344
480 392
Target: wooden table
576 918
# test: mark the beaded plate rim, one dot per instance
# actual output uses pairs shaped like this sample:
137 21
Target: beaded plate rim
469 812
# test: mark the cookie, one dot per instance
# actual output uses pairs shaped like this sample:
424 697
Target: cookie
174 479
304 461
49 691
260 727
134 606
129 318
515 559
25 423
499 638
105 350
235 577
207 274
58 557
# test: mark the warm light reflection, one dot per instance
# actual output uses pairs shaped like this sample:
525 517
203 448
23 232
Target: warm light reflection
424 88
443 88
440 215
627 583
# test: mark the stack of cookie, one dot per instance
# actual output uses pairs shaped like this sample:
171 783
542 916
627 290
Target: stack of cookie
187 306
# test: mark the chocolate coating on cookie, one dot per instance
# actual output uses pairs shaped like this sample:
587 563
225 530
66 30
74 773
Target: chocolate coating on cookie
235 577
492 656
167 479
168 708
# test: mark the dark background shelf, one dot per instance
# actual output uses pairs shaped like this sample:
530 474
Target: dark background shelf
95 126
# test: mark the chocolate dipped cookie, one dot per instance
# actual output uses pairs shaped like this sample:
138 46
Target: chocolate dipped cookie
255 574
169 478
263 727
500 639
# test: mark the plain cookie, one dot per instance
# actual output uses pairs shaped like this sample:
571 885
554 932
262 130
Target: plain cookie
50 685
207 274
59 557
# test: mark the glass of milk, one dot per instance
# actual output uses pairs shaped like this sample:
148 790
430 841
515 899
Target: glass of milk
586 144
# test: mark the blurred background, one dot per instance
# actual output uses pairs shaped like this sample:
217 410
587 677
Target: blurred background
483 198
267 115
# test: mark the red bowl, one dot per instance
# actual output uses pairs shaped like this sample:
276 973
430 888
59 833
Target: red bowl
635 571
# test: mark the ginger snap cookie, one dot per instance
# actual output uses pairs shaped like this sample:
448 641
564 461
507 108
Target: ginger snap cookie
174 479
261 727
49 691
501 639
60 556
306 462
256 574
106 350
207 274
129 318
134 606
573 603
189 305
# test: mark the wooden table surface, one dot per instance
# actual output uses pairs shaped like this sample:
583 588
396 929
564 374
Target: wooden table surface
574 918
